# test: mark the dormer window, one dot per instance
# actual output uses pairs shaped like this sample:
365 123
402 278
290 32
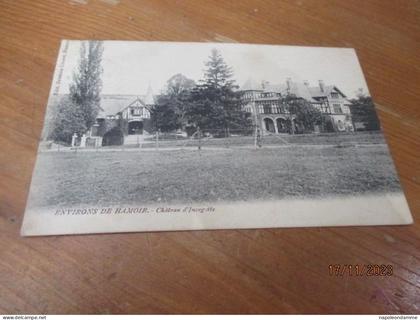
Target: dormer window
335 95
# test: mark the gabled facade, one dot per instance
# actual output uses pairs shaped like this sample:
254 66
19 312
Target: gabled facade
333 102
264 102
267 110
131 114
135 117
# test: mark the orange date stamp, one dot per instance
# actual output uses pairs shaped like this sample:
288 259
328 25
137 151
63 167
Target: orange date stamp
360 270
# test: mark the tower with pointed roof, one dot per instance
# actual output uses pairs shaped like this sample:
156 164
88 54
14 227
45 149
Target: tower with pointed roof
149 99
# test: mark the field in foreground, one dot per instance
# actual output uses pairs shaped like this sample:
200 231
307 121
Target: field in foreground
106 178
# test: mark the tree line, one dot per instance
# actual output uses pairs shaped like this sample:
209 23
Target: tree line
212 103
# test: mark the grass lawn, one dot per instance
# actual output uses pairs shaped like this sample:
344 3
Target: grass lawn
144 177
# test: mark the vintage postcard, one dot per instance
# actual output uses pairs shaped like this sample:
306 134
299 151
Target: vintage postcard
147 136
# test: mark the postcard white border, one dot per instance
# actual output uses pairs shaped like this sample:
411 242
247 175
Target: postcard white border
387 209
384 209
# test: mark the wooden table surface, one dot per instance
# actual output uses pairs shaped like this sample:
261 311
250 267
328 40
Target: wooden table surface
248 271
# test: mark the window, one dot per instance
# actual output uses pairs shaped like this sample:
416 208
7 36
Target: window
335 95
337 108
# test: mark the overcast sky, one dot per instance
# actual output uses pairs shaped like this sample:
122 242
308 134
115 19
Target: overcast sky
129 67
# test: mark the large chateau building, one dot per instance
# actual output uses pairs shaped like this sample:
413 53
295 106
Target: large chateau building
266 104
264 101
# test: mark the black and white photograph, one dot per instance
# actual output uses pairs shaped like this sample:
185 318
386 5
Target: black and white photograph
147 136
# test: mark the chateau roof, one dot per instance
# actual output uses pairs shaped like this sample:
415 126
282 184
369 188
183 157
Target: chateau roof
316 91
301 90
250 84
112 104
298 89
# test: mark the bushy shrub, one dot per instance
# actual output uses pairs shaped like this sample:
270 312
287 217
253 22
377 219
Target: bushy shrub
113 137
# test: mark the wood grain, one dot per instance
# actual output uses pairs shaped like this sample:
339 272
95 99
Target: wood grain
248 271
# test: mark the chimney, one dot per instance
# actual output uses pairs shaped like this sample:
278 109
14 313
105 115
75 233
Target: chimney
321 85
289 83
306 83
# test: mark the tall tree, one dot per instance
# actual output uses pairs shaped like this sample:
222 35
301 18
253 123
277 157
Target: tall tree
169 112
87 84
215 103
68 120
77 112
178 84
218 74
363 111
163 115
